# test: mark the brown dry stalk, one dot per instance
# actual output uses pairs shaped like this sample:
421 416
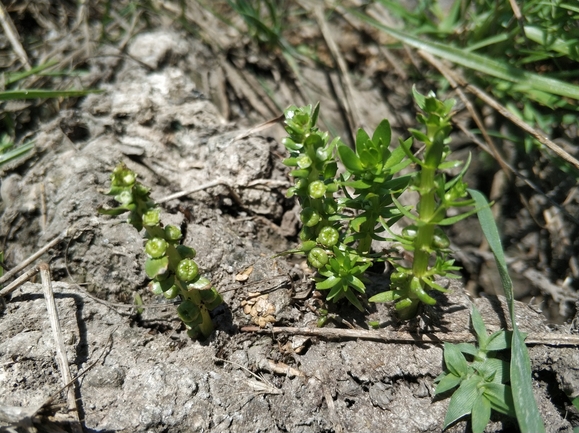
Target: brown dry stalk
402 337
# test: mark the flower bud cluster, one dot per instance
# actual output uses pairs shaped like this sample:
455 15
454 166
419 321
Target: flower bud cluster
169 264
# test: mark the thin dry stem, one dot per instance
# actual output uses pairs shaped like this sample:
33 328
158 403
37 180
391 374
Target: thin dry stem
401 337
60 348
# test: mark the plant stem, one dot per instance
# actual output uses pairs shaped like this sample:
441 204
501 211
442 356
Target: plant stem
427 191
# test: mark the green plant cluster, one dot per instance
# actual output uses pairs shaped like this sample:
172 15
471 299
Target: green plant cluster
424 237
524 62
169 264
343 213
482 382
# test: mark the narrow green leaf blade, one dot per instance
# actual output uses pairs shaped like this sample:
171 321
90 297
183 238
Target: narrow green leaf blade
479 327
39 93
528 415
479 63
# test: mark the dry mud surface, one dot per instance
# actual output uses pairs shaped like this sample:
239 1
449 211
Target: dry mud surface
148 376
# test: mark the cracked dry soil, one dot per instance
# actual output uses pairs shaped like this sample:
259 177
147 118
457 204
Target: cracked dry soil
150 377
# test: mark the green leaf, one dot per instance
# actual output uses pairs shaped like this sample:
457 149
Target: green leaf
467 348
383 133
500 396
328 283
154 267
527 412
453 220
388 296
354 300
350 159
481 414
357 284
493 369
455 360
16 152
114 211
478 62
462 401
39 93
362 140
479 327
499 340
448 382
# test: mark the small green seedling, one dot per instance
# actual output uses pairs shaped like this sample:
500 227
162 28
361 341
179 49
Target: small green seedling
342 214
169 264
424 237
482 380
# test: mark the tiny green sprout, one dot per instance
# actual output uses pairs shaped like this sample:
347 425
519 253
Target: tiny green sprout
169 265
172 233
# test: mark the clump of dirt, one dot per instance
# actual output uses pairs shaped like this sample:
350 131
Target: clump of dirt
149 375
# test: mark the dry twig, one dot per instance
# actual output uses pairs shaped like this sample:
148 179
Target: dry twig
32 258
60 348
401 337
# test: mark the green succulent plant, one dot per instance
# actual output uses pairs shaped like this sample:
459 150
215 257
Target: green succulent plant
169 264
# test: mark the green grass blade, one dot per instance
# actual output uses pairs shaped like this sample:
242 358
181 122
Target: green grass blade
12 77
528 415
44 94
15 153
477 62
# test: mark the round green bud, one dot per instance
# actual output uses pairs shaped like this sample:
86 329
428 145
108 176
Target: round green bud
122 176
328 236
172 233
304 161
440 240
156 248
318 258
398 278
129 178
151 217
187 270
309 217
410 231
317 189
124 198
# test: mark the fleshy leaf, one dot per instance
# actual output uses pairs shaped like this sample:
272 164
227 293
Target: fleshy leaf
154 267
